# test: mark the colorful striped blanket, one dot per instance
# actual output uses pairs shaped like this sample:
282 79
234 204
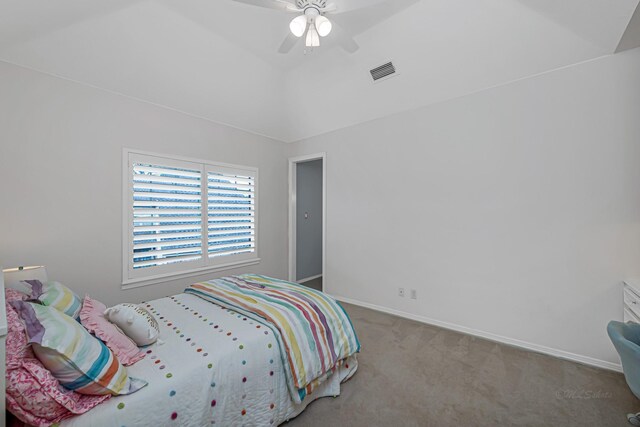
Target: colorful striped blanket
313 331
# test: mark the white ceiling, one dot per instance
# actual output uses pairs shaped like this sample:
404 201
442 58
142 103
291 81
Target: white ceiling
218 59
631 37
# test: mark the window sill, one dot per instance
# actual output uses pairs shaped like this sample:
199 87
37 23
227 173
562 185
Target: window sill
153 280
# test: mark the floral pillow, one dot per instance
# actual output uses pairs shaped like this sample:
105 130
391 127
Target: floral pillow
33 395
16 340
93 319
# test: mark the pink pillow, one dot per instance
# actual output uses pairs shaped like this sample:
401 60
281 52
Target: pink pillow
34 396
92 318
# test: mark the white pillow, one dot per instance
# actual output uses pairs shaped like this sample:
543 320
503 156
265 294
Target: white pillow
136 322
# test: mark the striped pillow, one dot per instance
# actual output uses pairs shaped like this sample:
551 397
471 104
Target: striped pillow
78 360
56 295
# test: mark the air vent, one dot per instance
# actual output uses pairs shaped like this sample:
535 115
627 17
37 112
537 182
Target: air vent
383 71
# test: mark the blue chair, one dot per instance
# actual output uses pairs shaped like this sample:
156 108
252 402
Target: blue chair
626 339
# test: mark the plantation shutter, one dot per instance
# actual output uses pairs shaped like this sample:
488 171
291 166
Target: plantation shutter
231 213
187 217
166 214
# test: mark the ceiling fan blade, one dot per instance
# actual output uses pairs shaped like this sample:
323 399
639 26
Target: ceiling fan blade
343 38
272 4
330 8
288 43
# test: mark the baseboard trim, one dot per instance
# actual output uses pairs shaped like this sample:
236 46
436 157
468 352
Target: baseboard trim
308 279
561 354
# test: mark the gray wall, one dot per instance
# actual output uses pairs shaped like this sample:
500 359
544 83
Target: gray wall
514 212
309 230
61 179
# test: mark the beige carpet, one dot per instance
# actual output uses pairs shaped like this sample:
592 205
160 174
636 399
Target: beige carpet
315 284
413 374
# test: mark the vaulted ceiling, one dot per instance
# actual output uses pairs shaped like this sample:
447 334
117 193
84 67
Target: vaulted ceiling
218 59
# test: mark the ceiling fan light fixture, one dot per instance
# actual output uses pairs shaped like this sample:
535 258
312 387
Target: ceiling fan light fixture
323 25
298 25
313 39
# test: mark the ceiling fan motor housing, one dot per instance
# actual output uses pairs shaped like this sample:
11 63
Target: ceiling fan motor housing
311 12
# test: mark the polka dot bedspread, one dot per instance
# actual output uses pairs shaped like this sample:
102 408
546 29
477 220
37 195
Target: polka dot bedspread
213 367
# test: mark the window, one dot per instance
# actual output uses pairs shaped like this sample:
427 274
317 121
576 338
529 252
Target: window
186 217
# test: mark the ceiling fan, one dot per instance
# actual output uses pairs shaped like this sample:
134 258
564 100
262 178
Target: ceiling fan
311 20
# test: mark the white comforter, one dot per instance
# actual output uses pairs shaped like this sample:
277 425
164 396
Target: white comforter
213 367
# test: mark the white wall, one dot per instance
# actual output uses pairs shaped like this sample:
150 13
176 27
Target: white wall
61 178
513 211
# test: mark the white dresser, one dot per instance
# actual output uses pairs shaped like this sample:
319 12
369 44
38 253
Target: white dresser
631 295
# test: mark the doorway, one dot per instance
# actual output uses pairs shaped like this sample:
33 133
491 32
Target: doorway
307 220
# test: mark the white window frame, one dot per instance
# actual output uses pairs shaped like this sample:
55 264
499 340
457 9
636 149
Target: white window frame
131 279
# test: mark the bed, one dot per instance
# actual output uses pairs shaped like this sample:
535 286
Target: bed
217 364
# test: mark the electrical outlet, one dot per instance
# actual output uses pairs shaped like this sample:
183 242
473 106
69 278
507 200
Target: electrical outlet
401 292
414 294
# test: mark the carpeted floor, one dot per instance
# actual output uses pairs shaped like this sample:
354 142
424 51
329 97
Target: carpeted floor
315 284
412 374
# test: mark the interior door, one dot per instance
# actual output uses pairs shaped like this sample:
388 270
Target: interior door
309 220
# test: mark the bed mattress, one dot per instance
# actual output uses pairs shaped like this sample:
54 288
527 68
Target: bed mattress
213 366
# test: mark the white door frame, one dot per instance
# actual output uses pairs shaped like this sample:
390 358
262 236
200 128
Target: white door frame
293 162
